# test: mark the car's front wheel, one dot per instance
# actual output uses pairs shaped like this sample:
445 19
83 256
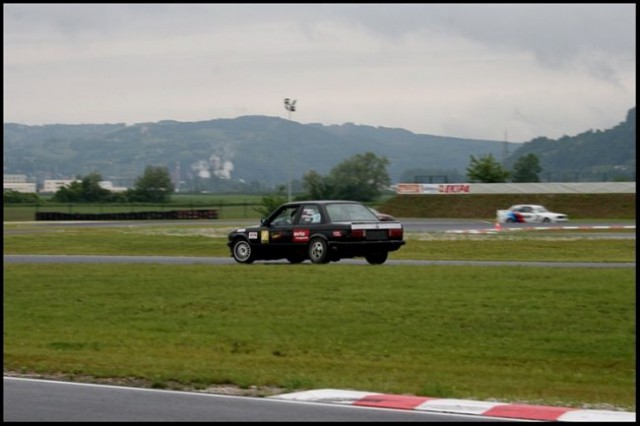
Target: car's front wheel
242 251
318 251
377 258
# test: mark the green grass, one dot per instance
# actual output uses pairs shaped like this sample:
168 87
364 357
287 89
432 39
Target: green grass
209 240
552 336
555 336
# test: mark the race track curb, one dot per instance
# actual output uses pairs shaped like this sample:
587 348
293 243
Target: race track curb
459 406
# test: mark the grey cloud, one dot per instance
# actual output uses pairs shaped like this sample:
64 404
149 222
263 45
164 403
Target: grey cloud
192 61
555 33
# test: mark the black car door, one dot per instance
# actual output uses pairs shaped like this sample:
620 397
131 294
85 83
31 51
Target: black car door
281 229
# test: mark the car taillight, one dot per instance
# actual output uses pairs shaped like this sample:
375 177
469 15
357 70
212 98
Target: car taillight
395 233
358 233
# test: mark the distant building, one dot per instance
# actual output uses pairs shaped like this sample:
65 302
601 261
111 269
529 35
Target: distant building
18 183
108 185
15 178
20 187
53 185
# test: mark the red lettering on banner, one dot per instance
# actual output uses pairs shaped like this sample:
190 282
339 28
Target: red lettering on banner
448 189
408 188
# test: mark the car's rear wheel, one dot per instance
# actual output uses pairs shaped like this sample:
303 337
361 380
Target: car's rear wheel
377 258
242 251
318 251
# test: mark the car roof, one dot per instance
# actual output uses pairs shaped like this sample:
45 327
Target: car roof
522 205
322 202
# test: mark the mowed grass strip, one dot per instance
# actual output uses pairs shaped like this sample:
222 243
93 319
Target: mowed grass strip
553 246
557 336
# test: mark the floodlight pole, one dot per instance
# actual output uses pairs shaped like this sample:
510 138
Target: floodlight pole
290 106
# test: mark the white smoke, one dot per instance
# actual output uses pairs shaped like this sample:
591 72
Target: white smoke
201 168
220 167
218 164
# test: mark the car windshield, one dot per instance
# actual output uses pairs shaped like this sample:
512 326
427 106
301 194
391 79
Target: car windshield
349 212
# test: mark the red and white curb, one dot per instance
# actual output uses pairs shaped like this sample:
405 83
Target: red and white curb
459 406
498 228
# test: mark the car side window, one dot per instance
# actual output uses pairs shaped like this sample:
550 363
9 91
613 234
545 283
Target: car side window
310 215
285 217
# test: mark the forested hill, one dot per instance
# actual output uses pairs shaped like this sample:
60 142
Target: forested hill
609 152
257 152
254 151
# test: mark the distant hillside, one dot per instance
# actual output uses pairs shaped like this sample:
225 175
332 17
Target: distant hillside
255 153
599 154
250 152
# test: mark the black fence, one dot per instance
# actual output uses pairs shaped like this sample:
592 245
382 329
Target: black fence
149 215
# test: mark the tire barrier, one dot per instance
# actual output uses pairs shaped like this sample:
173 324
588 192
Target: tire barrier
150 215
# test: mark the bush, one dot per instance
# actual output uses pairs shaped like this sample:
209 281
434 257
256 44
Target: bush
15 197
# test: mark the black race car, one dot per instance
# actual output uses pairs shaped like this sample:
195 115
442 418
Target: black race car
321 231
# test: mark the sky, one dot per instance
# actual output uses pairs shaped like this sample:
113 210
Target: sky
510 72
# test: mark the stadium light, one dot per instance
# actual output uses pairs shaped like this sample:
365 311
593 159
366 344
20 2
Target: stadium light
290 106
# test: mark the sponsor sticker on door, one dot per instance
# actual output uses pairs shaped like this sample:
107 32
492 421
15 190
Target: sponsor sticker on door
300 235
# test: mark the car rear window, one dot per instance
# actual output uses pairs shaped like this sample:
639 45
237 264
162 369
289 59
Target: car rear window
345 212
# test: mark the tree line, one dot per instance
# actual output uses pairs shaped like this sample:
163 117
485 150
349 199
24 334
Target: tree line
154 186
362 177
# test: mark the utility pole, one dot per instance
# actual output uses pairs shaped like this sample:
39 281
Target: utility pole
290 106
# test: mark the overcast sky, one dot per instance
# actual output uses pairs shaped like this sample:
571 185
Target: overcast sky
487 71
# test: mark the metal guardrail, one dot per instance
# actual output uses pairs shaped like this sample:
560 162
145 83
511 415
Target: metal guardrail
516 188
145 215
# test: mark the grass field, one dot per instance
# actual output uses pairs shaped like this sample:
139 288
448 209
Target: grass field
210 240
555 336
561 337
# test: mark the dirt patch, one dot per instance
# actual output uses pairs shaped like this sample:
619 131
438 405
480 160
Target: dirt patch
473 206
226 389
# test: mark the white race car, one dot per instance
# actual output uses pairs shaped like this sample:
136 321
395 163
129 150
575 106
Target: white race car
530 213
